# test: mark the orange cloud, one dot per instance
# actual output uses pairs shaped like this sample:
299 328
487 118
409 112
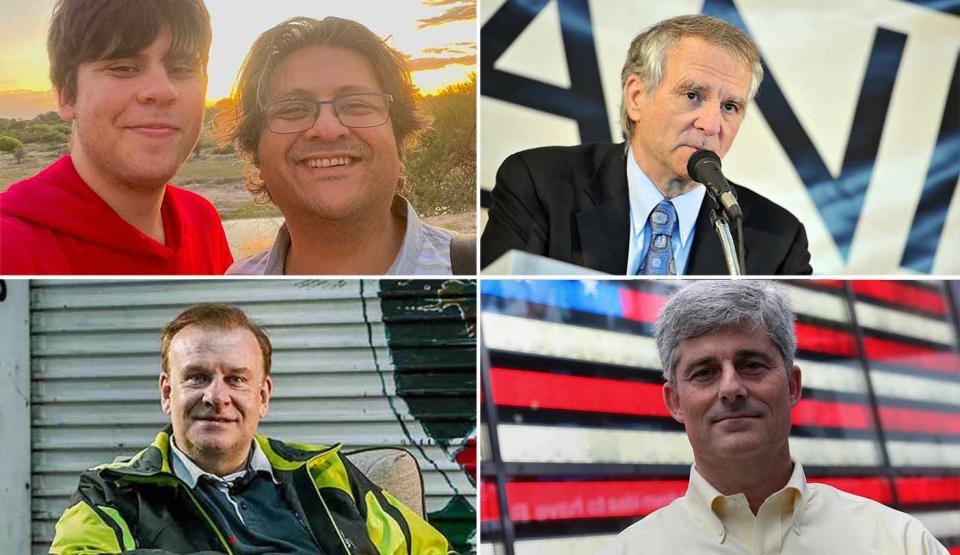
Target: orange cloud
424 64
460 10
464 47
26 104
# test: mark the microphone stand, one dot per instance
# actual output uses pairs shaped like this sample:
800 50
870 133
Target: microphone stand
721 224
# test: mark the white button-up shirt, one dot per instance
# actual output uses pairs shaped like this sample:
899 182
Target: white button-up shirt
801 518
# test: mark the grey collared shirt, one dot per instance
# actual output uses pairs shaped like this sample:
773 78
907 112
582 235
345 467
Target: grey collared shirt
425 249
253 514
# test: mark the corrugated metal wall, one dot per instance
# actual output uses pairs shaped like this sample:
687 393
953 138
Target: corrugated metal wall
95 361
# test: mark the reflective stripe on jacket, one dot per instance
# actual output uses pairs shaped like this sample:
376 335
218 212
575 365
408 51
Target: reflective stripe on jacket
142 505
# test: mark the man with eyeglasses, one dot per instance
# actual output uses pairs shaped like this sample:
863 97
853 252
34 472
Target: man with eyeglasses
322 113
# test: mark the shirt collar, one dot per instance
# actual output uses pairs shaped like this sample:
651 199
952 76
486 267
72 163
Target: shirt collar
190 473
703 500
406 260
404 263
644 197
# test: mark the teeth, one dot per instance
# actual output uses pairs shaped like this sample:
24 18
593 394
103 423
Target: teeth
328 162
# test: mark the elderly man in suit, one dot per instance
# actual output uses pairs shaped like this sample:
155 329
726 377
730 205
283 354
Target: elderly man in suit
632 208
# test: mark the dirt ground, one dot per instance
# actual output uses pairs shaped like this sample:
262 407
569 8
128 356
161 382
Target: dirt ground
220 194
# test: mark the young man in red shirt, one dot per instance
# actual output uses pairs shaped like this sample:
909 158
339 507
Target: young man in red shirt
132 79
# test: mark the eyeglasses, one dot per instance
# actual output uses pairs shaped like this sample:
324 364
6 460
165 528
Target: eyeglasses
352 110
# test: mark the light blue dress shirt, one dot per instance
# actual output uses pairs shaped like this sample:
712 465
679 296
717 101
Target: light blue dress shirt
644 197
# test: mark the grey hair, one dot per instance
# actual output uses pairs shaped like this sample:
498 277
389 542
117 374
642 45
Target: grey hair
704 307
647 55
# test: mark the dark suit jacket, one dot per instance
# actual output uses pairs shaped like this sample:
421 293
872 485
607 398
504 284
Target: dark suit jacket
572 204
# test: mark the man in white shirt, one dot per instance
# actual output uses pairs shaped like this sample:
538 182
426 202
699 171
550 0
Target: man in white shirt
322 113
727 351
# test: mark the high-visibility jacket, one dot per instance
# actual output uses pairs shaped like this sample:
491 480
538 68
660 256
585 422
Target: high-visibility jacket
142 505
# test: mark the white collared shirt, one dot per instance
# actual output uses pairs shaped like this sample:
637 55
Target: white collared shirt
425 249
801 518
190 473
644 197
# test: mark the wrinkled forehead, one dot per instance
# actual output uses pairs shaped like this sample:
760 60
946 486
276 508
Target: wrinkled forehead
200 341
693 58
745 332
745 336
314 71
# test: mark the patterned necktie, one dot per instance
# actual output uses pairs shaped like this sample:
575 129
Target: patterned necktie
659 259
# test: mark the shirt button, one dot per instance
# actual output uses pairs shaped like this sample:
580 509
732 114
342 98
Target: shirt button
243 506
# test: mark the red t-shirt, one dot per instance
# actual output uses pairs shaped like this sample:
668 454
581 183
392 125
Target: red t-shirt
54 224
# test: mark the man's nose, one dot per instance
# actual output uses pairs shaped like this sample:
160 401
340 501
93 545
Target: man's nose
327 126
217 394
156 86
731 386
709 119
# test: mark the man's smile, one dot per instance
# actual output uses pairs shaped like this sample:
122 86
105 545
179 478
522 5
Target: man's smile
216 419
329 162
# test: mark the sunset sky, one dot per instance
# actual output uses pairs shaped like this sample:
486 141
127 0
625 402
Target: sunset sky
438 35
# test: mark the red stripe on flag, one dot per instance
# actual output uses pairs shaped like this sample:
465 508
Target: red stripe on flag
540 390
489 504
843 343
915 420
543 501
641 306
809 412
825 340
903 354
831 283
877 489
928 490
900 293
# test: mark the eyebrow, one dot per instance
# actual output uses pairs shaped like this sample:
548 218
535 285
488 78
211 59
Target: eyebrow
197 368
302 94
695 86
739 355
179 56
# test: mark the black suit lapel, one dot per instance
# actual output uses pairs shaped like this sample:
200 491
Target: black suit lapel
706 254
603 228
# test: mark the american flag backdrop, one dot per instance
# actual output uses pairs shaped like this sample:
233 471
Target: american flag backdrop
575 433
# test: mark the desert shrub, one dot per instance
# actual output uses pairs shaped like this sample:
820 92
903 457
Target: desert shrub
9 144
441 173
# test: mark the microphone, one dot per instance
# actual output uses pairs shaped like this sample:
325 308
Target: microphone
704 167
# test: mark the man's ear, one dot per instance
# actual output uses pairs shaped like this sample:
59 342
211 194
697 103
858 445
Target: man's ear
65 109
795 384
165 393
634 97
266 390
672 401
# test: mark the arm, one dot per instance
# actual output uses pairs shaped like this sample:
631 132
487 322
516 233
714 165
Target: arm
517 219
387 519
89 527
391 526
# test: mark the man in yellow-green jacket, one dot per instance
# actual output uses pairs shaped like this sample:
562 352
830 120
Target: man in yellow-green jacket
210 484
